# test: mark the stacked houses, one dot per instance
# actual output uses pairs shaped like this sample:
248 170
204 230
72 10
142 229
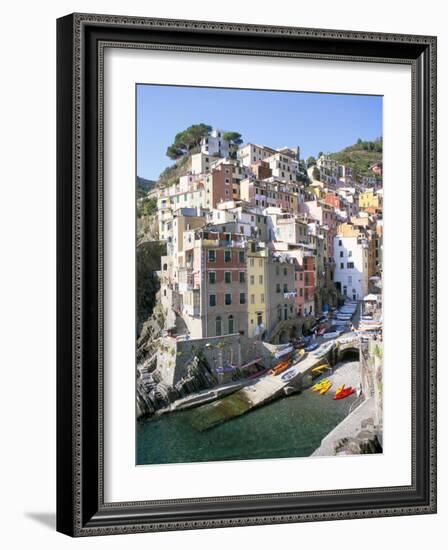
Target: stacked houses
253 244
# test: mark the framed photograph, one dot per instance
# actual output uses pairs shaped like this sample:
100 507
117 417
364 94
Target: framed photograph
246 274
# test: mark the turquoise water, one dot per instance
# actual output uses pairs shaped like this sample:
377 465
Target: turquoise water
290 427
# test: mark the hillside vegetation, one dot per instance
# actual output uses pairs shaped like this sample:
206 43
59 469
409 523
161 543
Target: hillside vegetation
147 263
144 186
361 156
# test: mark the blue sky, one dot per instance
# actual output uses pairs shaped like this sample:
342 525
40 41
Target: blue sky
316 122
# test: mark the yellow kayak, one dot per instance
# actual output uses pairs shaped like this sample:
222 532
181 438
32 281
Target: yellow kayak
320 385
320 368
325 388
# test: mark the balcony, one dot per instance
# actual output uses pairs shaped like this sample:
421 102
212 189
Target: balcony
231 244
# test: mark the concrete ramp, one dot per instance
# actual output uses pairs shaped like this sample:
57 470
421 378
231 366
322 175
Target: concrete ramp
234 405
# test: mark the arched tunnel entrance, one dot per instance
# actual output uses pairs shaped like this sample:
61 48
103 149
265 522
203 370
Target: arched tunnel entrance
349 354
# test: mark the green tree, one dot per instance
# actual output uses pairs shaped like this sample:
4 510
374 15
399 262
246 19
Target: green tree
187 140
174 152
234 138
316 173
148 207
310 161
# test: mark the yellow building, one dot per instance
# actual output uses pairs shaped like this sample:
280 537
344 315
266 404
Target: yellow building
369 199
256 289
348 230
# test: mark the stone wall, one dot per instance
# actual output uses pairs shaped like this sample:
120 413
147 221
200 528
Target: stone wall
174 356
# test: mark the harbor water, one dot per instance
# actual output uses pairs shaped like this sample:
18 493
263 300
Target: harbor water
288 427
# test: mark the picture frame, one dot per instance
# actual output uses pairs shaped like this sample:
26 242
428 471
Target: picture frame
81 507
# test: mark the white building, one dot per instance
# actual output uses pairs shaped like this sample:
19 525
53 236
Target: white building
215 144
200 163
328 169
283 166
251 153
351 257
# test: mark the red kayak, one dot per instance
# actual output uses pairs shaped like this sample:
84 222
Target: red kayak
345 392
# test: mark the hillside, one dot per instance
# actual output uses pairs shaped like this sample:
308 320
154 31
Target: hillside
144 186
361 156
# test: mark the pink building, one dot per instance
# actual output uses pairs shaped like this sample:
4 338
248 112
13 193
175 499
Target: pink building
304 286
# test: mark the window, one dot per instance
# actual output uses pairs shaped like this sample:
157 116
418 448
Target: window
242 277
278 288
260 279
341 254
277 270
218 326
227 255
279 313
349 253
242 298
285 288
252 262
212 255
227 277
252 280
342 265
252 298
227 299
260 261
212 300
212 277
259 319
350 265
241 256
340 242
231 327
262 298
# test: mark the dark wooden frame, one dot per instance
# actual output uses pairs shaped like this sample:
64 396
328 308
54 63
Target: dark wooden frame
81 39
